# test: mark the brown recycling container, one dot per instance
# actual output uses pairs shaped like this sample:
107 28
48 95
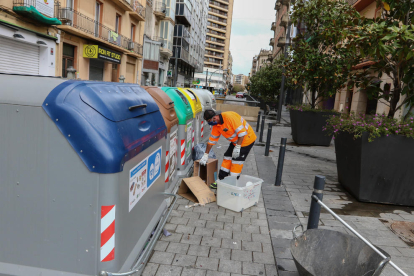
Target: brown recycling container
166 106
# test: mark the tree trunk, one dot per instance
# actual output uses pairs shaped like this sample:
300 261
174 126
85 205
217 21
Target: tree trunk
409 113
313 104
394 100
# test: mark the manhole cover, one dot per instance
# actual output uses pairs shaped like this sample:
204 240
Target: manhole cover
403 229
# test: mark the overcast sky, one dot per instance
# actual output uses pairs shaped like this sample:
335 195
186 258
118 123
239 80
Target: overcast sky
250 32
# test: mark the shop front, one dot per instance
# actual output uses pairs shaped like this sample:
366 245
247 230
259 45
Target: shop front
104 63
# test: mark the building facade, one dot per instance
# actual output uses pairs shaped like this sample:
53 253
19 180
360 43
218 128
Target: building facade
101 40
241 79
279 27
217 54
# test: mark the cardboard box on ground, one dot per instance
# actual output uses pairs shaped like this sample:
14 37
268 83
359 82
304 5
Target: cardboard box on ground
196 188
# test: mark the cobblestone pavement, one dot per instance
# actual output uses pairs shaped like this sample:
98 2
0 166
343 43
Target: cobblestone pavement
289 204
212 240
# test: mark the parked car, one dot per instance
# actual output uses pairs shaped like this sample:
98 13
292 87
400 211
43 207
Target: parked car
240 95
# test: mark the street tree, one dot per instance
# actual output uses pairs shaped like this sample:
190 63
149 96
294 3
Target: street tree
320 60
265 84
388 42
238 88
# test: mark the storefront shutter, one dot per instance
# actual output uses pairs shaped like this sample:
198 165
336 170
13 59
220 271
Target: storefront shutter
18 58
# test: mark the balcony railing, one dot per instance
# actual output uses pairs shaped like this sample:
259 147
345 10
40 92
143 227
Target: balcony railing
215 18
272 42
150 3
215 47
182 54
77 20
214 54
273 27
213 39
218 4
182 14
217 26
137 7
217 11
160 8
215 33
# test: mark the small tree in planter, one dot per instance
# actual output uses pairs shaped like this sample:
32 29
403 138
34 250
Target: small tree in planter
374 157
387 41
320 62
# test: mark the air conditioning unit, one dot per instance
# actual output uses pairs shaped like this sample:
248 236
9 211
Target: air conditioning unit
66 15
131 45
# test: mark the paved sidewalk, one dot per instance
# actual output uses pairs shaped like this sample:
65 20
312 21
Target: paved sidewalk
289 204
212 240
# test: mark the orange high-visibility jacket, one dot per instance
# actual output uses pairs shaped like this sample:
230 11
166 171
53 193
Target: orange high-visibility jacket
233 128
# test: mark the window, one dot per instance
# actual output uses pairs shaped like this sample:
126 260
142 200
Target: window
132 32
68 58
118 24
98 8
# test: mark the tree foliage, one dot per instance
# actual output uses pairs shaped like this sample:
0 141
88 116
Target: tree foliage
238 88
320 62
387 40
267 81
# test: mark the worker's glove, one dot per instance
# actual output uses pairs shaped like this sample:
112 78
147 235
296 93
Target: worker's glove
236 152
204 159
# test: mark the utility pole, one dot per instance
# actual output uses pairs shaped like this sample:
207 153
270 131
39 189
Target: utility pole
282 88
206 78
176 67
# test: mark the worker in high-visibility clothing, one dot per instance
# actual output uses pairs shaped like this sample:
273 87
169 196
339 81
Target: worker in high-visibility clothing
236 130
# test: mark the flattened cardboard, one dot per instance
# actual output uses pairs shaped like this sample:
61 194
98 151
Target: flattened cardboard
206 173
194 189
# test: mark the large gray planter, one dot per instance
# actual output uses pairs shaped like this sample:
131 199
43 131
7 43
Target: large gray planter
380 171
307 127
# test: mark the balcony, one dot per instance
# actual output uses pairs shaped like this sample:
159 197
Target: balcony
86 27
216 33
182 54
273 27
272 42
182 14
166 46
284 2
277 6
217 19
284 20
216 26
352 2
281 41
214 40
211 10
360 5
180 31
214 47
28 8
218 4
160 10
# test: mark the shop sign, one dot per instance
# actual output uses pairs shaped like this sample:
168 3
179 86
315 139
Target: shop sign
99 52
196 81
45 7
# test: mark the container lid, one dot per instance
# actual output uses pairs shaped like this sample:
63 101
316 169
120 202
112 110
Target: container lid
195 99
181 104
203 96
106 123
165 104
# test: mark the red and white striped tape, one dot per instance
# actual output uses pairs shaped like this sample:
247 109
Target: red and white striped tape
192 144
183 152
202 129
107 233
167 165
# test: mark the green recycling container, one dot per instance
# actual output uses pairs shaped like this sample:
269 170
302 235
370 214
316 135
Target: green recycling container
185 129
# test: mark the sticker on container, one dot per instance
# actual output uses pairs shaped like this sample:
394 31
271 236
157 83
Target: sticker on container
173 152
191 96
249 194
143 175
189 138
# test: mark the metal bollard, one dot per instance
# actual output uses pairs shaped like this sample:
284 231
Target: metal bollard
258 121
262 128
315 208
269 137
280 161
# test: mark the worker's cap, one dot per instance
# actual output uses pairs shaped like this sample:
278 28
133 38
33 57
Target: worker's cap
209 113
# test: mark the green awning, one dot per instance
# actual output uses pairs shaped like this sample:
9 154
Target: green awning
31 12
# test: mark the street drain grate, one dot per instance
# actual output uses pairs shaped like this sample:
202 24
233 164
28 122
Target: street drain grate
403 229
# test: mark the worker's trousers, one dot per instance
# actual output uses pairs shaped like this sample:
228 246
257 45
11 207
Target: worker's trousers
233 166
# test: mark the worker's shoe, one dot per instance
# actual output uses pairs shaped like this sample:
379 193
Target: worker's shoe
213 185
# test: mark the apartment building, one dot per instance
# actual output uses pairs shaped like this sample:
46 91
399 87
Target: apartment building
254 66
158 41
278 41
188 41
216 58
241 79
355 100
100 40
